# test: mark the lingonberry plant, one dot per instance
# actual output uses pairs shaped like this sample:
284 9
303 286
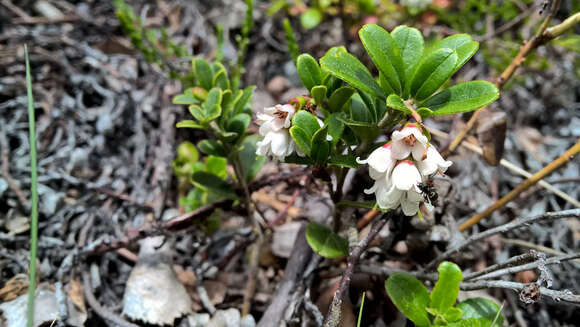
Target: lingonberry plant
338 123
438 308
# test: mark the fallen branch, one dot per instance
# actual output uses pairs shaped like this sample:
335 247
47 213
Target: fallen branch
557 296
517 223
511 262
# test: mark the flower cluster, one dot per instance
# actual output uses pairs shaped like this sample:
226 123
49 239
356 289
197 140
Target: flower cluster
274 126
400 166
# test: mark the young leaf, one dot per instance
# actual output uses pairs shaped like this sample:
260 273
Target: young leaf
251 163
307 122
339 98
445 292
241 101
318 92
212 105
203 73
311 18
384 52
335 127
349 69
433 71
308 71
410 297
239 123
184 99
481 309
394 101
197 113
325 242
189 124
461 43
343 160
216 165
212 182
462 97
211 147
302 138
410 43
221 80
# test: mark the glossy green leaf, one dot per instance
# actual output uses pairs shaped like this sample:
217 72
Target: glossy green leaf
325 242
462 97
212 182
394 101
335 127
251 163
482 309
239 123
184 99
318 93
452 314
385 85
471 322
432 72
410 43
221 80
339 98
197 112
410 297
212 105
298 160
320 146
425 112
308 71
369 104
359 110
244 99
186 152
332 83
311 18
203 73
211 147
384 52
307 122
349 69
362 130
216 165
344 160
302 138
463 45
446 288
189 124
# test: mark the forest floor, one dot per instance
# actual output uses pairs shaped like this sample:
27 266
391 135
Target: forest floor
107 137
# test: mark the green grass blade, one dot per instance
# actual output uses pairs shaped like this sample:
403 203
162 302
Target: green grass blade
362 303
33 195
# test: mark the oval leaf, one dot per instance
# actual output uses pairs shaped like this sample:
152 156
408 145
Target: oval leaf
410 43
212 182
203 73
339 98
308 71
325 242
302 138
349 69
433 71
307 122
461 43
446 289
311 18
481 309
394 101
384 52
189 124
318 93
211 147
462 97
410 297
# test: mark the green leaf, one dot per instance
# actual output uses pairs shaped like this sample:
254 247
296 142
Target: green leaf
318 93
463 45
239 123
339 98
298 160
221 80
394 101
570 42
302 138
359 111
349 69
211 182
197 113
452 314
241 101
482 309
308 71
203 73
335 127
410 43
311 18
362 130
184 99
211 147
462 97
343 160
433 71
425 112
251 163
186 152
320 146
445 292
189 124
212 105
410 297
325 242
307 122
384 52
369 104
216 165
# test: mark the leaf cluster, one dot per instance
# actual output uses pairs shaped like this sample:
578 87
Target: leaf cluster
438 308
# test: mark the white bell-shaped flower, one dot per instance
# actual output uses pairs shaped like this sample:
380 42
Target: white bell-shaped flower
275 118
409 140
433 162
380 162
274 126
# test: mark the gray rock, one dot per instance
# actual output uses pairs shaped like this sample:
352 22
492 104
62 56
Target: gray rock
248 321
225 318
198 320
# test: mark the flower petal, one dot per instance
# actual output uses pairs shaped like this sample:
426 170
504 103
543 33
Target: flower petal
405 175
409 207
381 160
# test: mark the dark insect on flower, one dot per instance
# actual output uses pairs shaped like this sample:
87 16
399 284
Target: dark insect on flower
429 193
